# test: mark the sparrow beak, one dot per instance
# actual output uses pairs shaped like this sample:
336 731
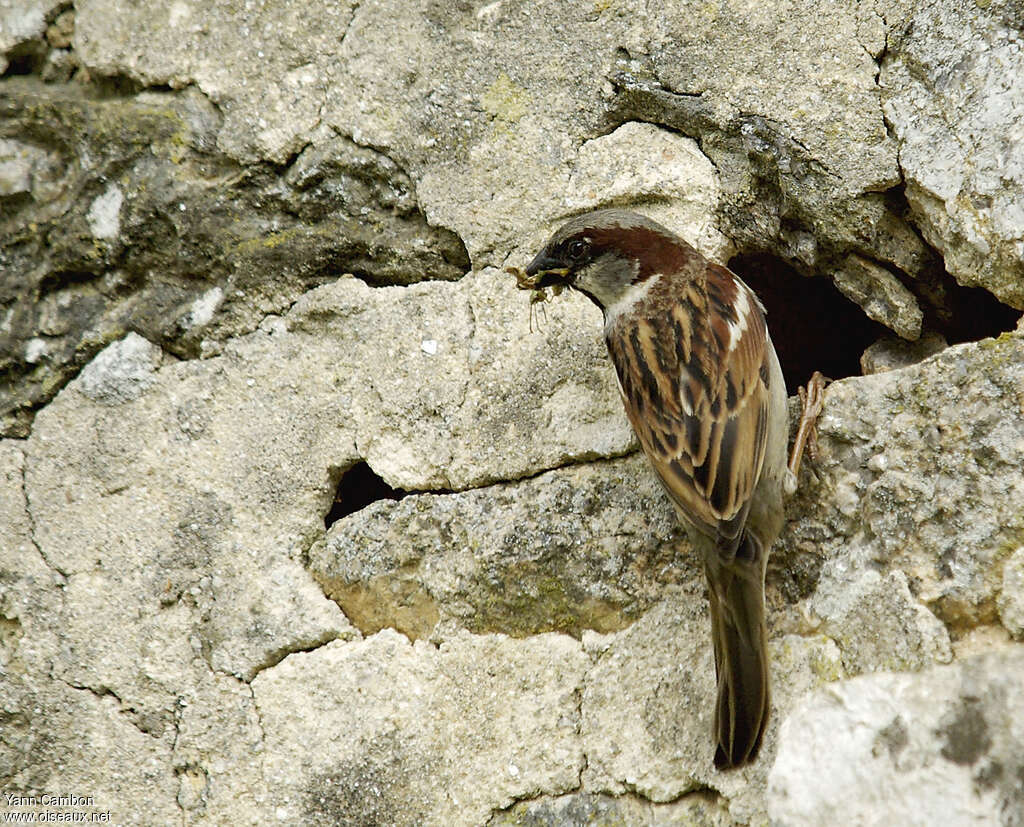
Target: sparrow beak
547 271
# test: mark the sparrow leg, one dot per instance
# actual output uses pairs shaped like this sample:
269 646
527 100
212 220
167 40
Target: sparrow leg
811 399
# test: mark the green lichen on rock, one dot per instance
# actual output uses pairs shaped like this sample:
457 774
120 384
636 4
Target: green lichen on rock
505 99
188 219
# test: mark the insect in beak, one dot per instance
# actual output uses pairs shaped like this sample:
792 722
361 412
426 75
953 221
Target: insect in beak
524 281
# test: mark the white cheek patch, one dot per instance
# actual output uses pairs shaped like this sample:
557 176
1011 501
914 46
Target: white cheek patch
629 298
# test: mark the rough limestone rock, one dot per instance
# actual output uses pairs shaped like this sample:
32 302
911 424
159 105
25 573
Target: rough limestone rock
1011 596
22 24
156 626
515 558
920 470
881 295
950 93
891 353
384 731
643 161
244 250
698 809
483 90
118 214
106 469
648 705
937 747
188 168
456 391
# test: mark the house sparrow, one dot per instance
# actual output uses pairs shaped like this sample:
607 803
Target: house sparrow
703 390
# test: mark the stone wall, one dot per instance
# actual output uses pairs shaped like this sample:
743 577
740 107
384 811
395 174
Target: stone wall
247 248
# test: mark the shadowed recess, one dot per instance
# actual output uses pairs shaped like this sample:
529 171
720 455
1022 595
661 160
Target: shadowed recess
25 59
358 487
969 313
813 326
960 314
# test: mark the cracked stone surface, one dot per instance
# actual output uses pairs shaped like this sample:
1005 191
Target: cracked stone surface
647 710
891 353
382 730
522 638
924 478
265 155
455 391
881 295
120 214
942 746
514 558
503 96
159 580
286 57
22 23
695 810
949 93
1011 598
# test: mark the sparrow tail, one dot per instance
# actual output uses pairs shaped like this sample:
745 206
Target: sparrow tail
736 593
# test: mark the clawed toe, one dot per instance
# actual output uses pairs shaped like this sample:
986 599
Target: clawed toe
812 398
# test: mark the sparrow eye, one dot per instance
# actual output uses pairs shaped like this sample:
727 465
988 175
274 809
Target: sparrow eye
576 249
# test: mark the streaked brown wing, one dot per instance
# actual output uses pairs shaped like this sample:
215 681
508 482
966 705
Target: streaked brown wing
696 394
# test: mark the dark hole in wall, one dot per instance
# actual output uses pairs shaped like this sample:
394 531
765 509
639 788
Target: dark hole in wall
961 314
358 487
26 59
813 326
121 86
965 314
61 279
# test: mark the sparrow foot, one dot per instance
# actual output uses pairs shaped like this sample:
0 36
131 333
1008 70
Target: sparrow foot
811 400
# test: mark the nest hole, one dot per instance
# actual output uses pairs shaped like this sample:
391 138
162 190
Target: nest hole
25 59
968 314
813 326
358 487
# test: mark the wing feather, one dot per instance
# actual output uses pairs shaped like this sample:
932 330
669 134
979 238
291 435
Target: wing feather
695 391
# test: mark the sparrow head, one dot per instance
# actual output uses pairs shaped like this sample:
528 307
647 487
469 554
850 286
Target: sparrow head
604 254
